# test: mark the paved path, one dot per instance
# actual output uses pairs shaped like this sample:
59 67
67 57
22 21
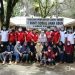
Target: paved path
35 69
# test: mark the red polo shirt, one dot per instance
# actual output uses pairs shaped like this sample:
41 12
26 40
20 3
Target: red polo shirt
56 37
49 36
20 36
12 37
34 37
28 36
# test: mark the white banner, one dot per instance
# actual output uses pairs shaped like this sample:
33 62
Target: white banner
43 23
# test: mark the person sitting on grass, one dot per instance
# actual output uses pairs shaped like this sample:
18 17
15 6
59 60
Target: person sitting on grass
56 52
32 56
2 50
17 52
61 51
50 56
44 59
39 48
25 52
9 52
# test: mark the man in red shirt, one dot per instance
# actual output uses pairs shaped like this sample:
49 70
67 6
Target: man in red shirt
56 36
12 37
20 36
28 34
34 36
49 37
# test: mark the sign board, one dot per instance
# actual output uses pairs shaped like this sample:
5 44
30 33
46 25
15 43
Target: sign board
43 23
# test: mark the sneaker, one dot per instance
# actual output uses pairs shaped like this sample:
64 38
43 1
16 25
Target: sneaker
10 62
15 63
3 62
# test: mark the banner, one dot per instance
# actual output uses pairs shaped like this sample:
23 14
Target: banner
43 23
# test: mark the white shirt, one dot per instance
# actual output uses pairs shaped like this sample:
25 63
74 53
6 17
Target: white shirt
42 38
4 36
70 38
62 38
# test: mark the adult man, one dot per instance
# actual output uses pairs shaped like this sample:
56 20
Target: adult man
70 37
4 36
34 36
49 37
8 52
62 35
28 37
20 36
12 37
56 36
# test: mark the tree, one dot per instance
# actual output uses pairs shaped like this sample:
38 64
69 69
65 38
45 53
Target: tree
5 19
68 8
1 12
44 7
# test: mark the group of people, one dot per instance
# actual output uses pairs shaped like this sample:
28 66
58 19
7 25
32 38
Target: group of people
31 45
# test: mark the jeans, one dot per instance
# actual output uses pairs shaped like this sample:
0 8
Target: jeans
5 55
38 56
16 54
26 56
1 57
43 61
61 57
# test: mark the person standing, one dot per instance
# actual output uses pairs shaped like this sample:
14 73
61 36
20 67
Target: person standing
56 36
4 36
28 37
12 37
42 37
34 36
70 37
49 37
68 52
20 36
62 35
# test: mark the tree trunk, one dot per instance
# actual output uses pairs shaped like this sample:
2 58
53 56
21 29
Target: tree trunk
1 13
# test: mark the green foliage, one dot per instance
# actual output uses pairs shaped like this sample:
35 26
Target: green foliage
44 8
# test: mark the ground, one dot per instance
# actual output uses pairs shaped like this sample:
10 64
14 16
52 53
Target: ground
35 69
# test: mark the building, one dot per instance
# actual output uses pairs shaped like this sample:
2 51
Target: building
21 21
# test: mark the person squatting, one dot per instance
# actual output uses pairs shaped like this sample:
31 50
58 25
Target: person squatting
44 47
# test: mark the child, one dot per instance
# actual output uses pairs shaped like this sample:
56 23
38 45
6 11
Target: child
39 48
61 51
69 52
25 52
50 56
